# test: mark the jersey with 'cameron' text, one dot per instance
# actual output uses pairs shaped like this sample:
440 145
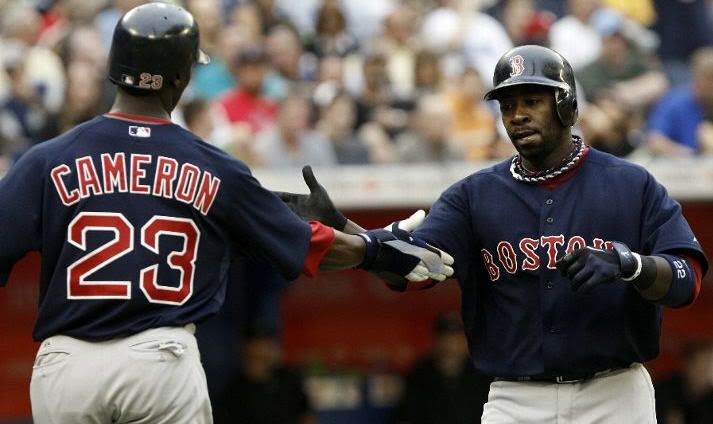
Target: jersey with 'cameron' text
136 220
521 315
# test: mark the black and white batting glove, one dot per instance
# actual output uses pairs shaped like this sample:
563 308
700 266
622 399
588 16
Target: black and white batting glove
589 267
396 251
315 206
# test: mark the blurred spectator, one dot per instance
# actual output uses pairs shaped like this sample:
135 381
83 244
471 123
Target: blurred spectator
196 115
331 36
24 119
428 78
574 37
612 126
640 11
458 31
42 73
246 104
337 125
59 17
399 45
366 17
681 124
215 79
428 138
620 85
270 15
247 18
264 391
83 44
474 123
558 7
445 387
291 142
377 103
683 26
208 15
302 14
525 24
330 80
198 118
84 96
626 67
245 108
294 68
687 397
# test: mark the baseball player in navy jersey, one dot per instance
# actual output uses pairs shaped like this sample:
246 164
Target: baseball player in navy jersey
565 257
137 220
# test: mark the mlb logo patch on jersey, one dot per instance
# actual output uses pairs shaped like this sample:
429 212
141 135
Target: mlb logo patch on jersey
143 132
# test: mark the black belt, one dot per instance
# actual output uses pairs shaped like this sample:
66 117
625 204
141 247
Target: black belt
565 378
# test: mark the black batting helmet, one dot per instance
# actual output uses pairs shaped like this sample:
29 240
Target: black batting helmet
154 44
537 65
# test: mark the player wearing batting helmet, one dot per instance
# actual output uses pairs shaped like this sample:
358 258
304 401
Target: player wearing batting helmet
565 257
137 221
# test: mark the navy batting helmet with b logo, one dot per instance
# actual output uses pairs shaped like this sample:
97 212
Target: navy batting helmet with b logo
537 65
154 44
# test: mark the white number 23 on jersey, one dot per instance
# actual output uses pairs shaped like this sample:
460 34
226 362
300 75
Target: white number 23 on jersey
122 244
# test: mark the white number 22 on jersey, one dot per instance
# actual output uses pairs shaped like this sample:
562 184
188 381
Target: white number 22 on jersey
122 244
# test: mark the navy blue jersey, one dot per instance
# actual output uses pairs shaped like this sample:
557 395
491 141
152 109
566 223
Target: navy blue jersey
522 318
137 223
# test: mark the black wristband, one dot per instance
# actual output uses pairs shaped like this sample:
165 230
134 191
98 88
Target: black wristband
370 252
648 274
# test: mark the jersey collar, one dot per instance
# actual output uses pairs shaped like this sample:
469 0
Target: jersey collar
139 119
558 180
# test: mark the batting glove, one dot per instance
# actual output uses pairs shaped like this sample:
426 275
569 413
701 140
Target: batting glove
395 250
589 267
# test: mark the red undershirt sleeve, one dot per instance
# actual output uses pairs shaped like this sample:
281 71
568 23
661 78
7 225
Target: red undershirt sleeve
322 239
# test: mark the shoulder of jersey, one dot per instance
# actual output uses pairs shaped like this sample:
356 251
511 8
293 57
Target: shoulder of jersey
624 167
600 158
59 143
485 175
502 167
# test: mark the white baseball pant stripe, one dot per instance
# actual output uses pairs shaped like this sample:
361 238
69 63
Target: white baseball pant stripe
623 396
153 377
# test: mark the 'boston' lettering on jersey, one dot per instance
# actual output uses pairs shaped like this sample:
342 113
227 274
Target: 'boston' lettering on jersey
508 257
186 182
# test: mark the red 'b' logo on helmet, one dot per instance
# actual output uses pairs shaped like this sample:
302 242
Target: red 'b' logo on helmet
517 65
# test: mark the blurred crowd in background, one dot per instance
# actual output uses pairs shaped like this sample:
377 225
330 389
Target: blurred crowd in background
334 82
356 82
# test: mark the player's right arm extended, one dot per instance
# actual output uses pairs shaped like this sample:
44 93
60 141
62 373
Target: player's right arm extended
390 251
381 246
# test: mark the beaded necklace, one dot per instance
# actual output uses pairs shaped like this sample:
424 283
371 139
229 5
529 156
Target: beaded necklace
521 174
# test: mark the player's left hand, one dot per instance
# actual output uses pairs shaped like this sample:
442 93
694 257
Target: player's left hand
317 206
589 267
